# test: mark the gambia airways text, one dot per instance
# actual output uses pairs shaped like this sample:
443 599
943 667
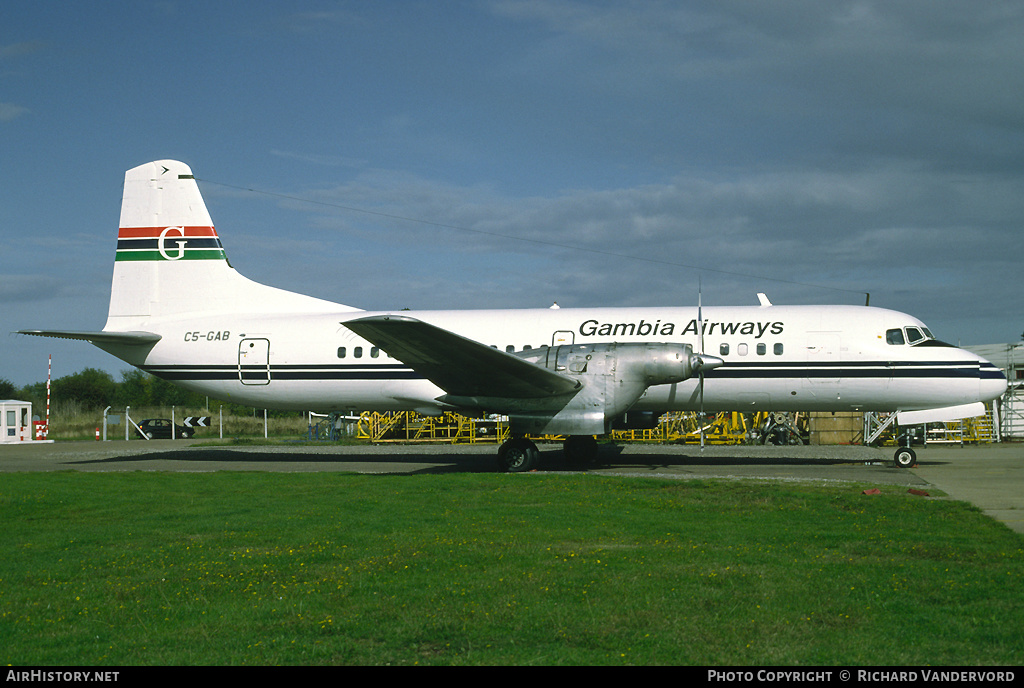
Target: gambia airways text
644 328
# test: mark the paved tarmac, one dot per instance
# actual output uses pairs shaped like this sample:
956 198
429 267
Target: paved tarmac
989 476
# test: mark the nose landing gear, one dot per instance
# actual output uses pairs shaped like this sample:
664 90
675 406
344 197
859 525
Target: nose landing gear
905 457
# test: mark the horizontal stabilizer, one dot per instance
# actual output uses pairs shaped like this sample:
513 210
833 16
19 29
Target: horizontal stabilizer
941 415
460 366
130 338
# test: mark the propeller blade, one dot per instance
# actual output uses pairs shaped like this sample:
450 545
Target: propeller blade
700 370
700 361
701 383
700 319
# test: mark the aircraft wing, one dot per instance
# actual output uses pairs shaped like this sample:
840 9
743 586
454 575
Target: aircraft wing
460 366
135 338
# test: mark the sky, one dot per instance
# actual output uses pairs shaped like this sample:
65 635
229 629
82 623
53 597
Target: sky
514 153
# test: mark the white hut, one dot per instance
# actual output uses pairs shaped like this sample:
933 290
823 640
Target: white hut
15 421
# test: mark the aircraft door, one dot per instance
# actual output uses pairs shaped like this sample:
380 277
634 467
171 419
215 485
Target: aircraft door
254 361
562 337
823 358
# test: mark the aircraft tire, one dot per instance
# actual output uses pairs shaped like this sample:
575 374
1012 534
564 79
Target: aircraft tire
580 450
904 457
518 455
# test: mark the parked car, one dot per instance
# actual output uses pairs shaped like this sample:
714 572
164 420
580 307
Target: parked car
160 429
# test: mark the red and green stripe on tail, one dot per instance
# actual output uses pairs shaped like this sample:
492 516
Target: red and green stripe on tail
168 244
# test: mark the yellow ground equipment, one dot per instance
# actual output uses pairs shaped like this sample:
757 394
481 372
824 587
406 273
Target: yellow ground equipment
409 426
685 427
679 427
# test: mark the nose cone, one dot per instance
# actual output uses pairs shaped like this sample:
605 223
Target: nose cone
703 362
992 382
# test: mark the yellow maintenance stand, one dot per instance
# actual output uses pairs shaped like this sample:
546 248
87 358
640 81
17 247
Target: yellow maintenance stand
678 427
409 426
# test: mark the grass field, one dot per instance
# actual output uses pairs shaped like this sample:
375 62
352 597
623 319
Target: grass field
325 568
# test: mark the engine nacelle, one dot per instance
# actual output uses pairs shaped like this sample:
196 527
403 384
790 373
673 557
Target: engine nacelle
612 379
653 363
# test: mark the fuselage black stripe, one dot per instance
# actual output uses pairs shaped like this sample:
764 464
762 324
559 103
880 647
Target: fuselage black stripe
730 371
281 373
879 373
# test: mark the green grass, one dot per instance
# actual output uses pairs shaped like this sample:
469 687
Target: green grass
327 568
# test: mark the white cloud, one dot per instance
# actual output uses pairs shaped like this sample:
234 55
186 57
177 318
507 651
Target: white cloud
10 112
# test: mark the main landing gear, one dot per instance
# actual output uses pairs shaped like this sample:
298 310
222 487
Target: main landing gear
580 450
519 454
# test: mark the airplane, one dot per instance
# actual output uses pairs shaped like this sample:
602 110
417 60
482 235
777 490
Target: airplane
180 311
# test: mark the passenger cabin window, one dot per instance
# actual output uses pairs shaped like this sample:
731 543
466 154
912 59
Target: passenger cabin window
357 352
743 349
894 337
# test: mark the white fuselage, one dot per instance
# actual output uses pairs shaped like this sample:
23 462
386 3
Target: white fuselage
808 358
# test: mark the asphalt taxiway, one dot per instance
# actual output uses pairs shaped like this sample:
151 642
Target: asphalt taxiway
990 476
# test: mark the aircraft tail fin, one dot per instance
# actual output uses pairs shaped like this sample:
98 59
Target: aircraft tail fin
170 260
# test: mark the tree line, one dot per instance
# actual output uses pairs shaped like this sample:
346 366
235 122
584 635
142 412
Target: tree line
93 390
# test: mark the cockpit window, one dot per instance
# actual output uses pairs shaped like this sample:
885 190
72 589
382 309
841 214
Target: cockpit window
912 334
